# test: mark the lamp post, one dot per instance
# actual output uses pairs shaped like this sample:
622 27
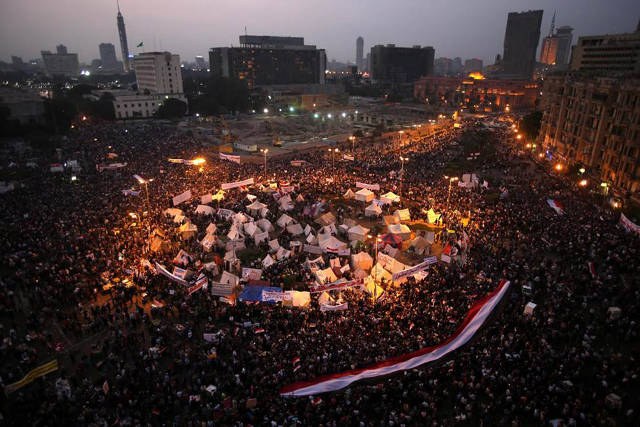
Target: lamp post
352 139
333 151
264 152
451 179
402 160
146 182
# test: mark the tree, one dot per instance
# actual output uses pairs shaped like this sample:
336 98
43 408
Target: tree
530 125
172 108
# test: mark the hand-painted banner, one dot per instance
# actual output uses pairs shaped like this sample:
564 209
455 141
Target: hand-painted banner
298 163
317 250
229 185
180 198
111 166
275 296
339 307
475 319
374 187
33 374
162 270
348 157
131 192
415 269
629 225
336 286
229 157
221 289
200 284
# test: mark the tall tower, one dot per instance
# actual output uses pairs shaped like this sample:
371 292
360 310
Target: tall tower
123 41
359 51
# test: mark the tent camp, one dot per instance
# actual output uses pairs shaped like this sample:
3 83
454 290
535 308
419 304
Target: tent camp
211 228
157 244
274 245
311 239
204 210
282 253
420 245
390 198
265 225
267 261
188 230
402 214
400 230
229 279
361 261
295 229
260 237
365 195
240 218
331 243
349 194
234 233
284 220
255 207
250 229
358 232
326 219
378 273
325 276
297 299
373 210
208 241
286 204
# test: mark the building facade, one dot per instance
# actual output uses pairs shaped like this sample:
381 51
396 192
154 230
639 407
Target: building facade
270 60
108 60
158 72
392 64
594 122
521 42
360 53
473 65
124 45
60 64
129 105
25 106
607 53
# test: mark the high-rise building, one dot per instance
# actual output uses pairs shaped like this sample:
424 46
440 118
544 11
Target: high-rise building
367 62
442 66
391 64
359 53
124 46
521 42
473 65
608 53
594 122
556 46
158 72
456 65
200 63
60 63
565 35
270 60
108 56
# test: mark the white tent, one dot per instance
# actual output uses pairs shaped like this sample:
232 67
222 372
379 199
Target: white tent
255 207
267 261
208 241
400 230
250 228
212 267
230 256
332 243
358 232
265 225
325 276
188 230
311 239
349 194
402 214
264 212
260 237
295 229
274 245
240 218
362 261
378 273
282 253
390 198
324 298
307 230
211 228
204 210
250 197
285 203
373 210
330 229
365 195
229 279
284 220
234 233
172 212
326 219
298 298
373 289
420 245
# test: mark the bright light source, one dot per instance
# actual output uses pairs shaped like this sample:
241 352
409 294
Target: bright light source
266 110
583 183
198 161
73 178
84 118
197 114
329 115
582 170
541 155
519 136
604 185
291 109
316 115
344 114
356 111
559 167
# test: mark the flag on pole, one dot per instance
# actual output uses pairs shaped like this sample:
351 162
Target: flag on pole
140 44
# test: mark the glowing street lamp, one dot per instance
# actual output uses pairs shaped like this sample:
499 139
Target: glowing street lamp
264 152
333 151
198 161
402 160
352 139
266 111
583 183
451 180
559 167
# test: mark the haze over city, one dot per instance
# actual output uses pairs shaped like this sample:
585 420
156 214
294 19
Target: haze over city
191 27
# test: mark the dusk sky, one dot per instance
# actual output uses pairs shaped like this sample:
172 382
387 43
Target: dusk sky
469 28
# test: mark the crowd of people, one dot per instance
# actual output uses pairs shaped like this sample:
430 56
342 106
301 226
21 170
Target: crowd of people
137 355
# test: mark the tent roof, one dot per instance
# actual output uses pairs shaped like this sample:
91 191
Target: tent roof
364 192
373 208
398 229
256 205
326 219
358 229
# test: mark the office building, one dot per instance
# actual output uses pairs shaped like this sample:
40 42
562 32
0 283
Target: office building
359 53
129 105
270 60
520 43
367 62
23 105
442 66
124 46
565 36
594 122
108 60
473 65
200 63
607 53
557 45
60 63
392 64
158 72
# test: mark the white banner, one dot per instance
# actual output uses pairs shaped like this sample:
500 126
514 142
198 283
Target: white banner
373 187
229 157
298 162
251 273
180 198
313 249
221 289
629 225
162 270
415 269
275 296
229 185
348 157
339 307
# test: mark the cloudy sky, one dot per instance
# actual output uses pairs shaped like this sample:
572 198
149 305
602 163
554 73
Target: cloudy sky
465 28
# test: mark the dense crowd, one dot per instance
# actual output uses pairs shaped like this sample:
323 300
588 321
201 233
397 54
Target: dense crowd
122 362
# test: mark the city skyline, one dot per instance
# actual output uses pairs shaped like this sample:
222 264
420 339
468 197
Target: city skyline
29 26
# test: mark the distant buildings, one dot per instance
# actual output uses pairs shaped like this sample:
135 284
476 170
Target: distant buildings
489 94
108 60
392 64
556 46
473 65
60 63
124 46
594 122
520 43
270 60
359 53
26 107
158 72
201 63
607 53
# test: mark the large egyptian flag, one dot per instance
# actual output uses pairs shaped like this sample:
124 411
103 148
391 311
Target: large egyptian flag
475 319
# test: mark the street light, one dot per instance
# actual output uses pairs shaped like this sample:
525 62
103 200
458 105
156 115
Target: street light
402 160
583 183
559 167
264 151
146 182
333 151
352 139
451 179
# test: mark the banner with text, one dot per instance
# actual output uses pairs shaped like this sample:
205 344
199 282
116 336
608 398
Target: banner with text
230 158
180 198
229 185
415 269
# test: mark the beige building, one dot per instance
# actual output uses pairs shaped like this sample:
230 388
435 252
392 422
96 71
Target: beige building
609 52
158 72
594 122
